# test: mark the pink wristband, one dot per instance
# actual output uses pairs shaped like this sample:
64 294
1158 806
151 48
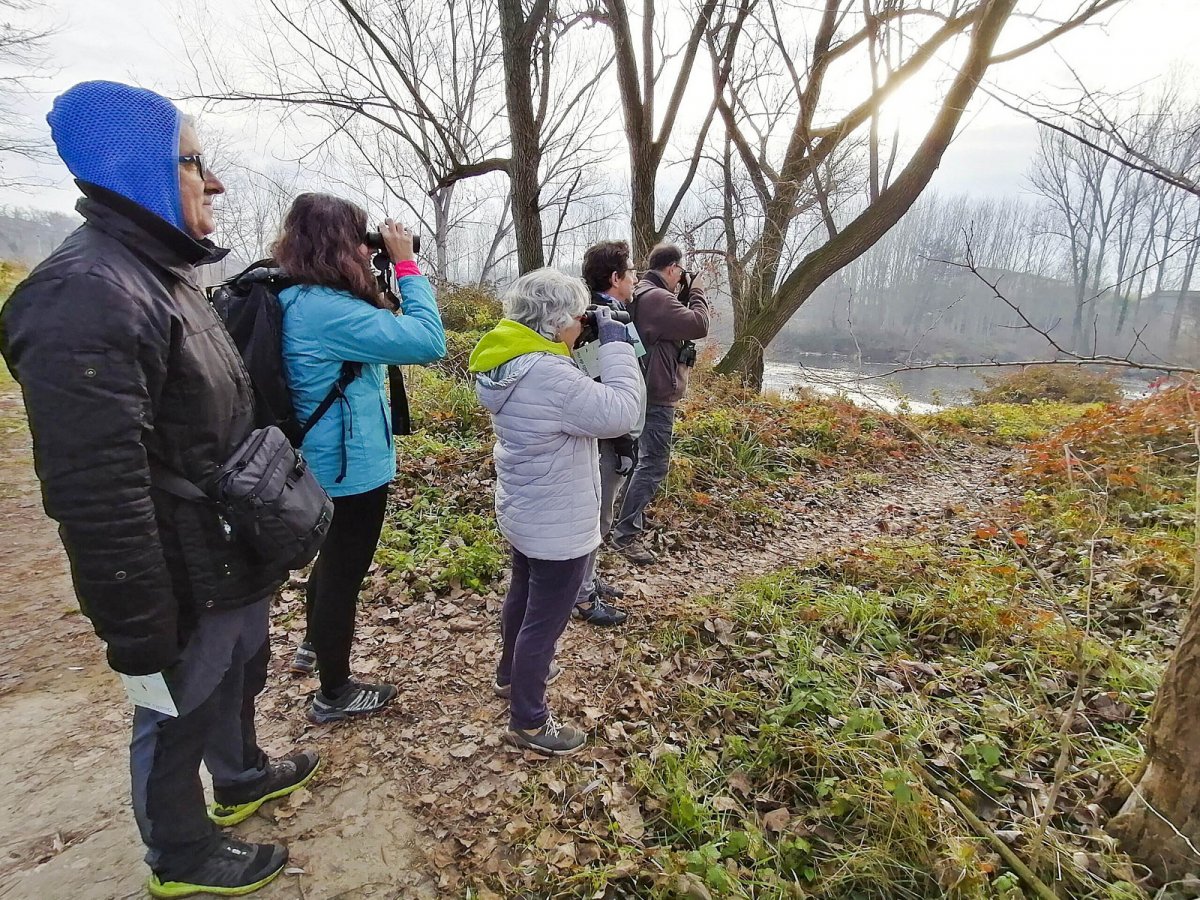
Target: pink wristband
406 267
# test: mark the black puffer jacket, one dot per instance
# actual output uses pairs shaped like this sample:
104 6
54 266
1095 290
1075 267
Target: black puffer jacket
122 361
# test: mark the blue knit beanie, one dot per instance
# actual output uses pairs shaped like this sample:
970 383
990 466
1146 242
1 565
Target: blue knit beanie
122 138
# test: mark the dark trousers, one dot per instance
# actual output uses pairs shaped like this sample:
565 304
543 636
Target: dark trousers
337 575
214 684
610 491
654 458
536 610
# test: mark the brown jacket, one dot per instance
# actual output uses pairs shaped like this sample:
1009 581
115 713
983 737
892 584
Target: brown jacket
664 323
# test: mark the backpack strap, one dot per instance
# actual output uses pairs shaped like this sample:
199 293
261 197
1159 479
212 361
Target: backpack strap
175 484
350 371
398 398
638 293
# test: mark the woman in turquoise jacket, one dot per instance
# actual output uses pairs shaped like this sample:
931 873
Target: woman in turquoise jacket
336 314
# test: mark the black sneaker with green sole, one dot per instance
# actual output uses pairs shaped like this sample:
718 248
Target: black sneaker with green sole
233 805
234 869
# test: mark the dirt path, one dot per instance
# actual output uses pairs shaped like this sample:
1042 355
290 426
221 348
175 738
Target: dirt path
406 801
66 830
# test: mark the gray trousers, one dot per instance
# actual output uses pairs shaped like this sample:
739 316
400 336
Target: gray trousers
610 488
654 458
214 684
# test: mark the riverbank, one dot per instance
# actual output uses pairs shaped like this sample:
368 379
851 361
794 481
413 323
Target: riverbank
837 611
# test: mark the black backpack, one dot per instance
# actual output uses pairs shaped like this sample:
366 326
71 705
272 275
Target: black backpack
248 304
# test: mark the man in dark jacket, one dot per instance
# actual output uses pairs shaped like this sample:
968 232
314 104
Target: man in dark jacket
668 321
610 277
126 369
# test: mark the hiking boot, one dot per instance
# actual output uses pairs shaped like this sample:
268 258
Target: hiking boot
505 690
305 660
233 869
354 699
554 738
595 611
608 591
635 551
233 805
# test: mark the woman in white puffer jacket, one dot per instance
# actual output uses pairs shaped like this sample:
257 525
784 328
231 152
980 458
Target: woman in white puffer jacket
547 415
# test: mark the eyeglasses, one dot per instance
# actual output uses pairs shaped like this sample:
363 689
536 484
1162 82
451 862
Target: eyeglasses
196 160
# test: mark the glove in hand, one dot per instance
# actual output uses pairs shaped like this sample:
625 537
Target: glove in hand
608 328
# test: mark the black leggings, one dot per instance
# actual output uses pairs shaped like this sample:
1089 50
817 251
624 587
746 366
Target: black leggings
336 577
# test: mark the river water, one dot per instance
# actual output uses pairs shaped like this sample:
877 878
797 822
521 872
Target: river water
876 385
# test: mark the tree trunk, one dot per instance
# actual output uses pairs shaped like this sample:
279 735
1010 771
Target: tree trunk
1181 303
517 33
1169 786
642 180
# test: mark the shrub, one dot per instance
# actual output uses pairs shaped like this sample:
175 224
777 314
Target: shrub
1068 384
446 406
468 307
459 345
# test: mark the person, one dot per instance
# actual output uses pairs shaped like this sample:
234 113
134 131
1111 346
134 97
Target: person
125 368
547 416
610 277
666 325
335 313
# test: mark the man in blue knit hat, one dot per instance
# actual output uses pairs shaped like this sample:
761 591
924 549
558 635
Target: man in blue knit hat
126 369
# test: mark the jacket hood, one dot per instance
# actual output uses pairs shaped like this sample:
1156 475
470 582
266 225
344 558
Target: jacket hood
494 387
123 139
507 341
143 232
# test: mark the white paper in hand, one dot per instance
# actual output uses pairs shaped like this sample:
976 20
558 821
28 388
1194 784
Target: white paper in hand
587 357
151 692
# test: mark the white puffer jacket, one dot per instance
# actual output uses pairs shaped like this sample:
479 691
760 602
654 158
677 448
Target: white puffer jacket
547 416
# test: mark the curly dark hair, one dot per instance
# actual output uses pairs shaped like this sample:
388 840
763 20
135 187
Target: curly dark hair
601 260
319 244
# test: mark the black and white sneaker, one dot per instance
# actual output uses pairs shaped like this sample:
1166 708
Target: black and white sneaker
354 699
608 591
234 868
505 690
554 738
595 611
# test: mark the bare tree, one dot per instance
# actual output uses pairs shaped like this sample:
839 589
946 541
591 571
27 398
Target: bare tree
788 178
22 55
551 95
639 82
421 93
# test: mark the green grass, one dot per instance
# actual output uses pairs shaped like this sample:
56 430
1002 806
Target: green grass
1004 422
838 684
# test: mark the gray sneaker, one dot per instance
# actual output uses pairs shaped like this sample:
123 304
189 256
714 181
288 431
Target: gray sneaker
554 738
635 551
305 660
505 690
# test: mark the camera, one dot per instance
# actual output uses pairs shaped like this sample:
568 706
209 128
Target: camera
685 286
374 240
591 331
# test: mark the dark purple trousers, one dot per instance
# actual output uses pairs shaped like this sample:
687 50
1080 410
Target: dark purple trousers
536 610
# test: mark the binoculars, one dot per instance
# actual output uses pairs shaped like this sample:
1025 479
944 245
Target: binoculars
374 240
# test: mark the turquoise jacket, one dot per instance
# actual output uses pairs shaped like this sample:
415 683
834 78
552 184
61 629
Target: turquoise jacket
322 327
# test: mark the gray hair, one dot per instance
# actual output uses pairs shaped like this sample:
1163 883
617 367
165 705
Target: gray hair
545 300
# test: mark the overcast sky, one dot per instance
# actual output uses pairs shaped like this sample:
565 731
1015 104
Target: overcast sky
144 42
